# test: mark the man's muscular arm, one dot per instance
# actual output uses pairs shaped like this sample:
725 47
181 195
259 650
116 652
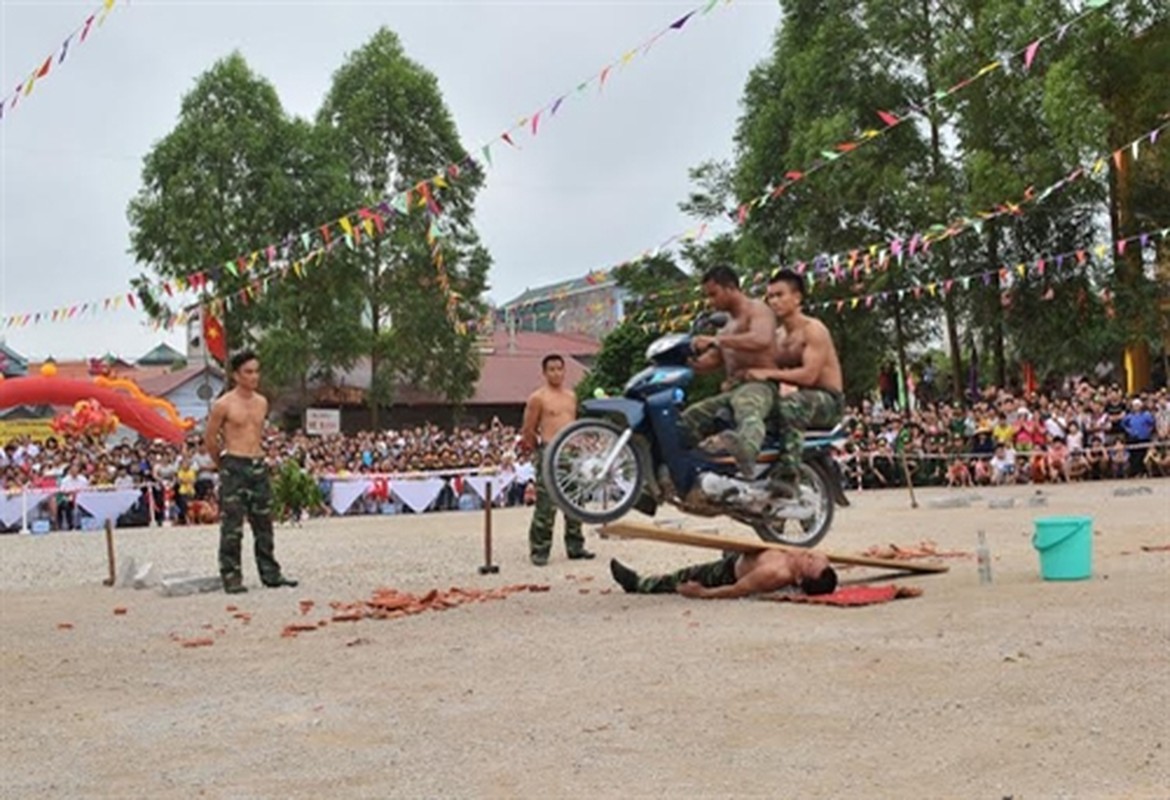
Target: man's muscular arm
211 435
710 360
532 411
818 344
754 582
759 336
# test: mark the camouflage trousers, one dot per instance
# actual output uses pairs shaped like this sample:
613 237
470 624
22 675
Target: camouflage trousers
244 490
540 532
795 413
748 404
708 575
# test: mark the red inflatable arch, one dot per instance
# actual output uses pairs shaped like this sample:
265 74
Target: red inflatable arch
133 412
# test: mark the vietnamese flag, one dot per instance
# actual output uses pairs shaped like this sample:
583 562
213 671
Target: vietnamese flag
213 335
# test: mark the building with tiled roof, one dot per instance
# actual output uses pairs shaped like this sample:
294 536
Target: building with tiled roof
509 372
592 305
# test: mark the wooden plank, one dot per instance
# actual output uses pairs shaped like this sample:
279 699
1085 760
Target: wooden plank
640 530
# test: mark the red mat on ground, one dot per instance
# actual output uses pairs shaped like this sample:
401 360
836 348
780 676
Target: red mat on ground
852 596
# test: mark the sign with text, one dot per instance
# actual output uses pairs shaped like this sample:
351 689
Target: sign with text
322 421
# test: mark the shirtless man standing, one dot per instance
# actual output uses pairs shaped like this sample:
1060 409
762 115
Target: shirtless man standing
807 360
745 344
549 408
736 575
243 485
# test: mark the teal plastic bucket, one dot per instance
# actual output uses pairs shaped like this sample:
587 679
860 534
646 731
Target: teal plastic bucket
1065 545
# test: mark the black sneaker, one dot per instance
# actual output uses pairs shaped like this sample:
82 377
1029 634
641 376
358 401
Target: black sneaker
281 581
626 577
235 588
582 555
540 559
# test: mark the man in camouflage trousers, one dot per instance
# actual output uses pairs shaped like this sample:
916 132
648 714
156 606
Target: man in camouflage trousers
540 533
751 404
736 575
747 341
548 410
807 369
244 489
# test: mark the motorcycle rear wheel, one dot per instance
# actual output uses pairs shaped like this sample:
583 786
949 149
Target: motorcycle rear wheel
807 532
572 472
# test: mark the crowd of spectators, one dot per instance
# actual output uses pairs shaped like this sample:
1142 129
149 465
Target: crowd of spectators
178 481
1081 432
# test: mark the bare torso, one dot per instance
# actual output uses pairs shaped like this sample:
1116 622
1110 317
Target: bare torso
239 417
556 408
791 339
737 361
772 567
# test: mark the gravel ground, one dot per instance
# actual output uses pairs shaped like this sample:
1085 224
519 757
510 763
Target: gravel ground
1023 688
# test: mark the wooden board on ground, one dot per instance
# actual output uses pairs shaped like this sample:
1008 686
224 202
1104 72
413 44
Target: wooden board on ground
639 530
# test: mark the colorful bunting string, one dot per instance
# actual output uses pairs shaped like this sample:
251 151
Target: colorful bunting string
828 267
1005 277
78 36
892 120
350 227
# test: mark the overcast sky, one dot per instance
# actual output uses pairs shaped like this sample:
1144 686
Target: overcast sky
598 185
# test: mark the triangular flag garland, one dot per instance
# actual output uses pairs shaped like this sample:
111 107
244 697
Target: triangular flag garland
76 37
891 120
834 267
1005 277
529 124
345 227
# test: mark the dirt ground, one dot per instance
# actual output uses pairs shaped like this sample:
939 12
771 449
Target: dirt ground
1022 689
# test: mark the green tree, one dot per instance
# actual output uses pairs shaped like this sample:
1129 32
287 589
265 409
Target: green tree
219 183
824 80
384 115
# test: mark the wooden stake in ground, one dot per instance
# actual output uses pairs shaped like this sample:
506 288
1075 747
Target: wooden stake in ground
110 554
909 481
638 530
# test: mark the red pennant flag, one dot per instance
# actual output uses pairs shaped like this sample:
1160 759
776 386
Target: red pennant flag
888 118
44 70
130 300
535 122
213 335
85 30
794 175
507 138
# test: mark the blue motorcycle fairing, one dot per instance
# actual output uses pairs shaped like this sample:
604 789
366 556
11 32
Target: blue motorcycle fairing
656 378
626 412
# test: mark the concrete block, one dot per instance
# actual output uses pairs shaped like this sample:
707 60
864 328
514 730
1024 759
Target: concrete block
145 577
181 587
1131 491
126 570
949 502
1002 502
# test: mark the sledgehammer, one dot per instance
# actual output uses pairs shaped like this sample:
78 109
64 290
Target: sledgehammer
110 553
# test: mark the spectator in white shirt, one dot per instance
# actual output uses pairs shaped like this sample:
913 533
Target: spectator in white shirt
70 485
1003 465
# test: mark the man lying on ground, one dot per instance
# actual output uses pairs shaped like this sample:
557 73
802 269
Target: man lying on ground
736 575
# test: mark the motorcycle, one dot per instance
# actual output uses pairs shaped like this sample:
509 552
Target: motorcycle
628 452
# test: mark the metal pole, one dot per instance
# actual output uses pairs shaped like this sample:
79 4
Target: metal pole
24 509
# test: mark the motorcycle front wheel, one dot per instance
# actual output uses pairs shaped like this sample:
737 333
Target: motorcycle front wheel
816 493
575 474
